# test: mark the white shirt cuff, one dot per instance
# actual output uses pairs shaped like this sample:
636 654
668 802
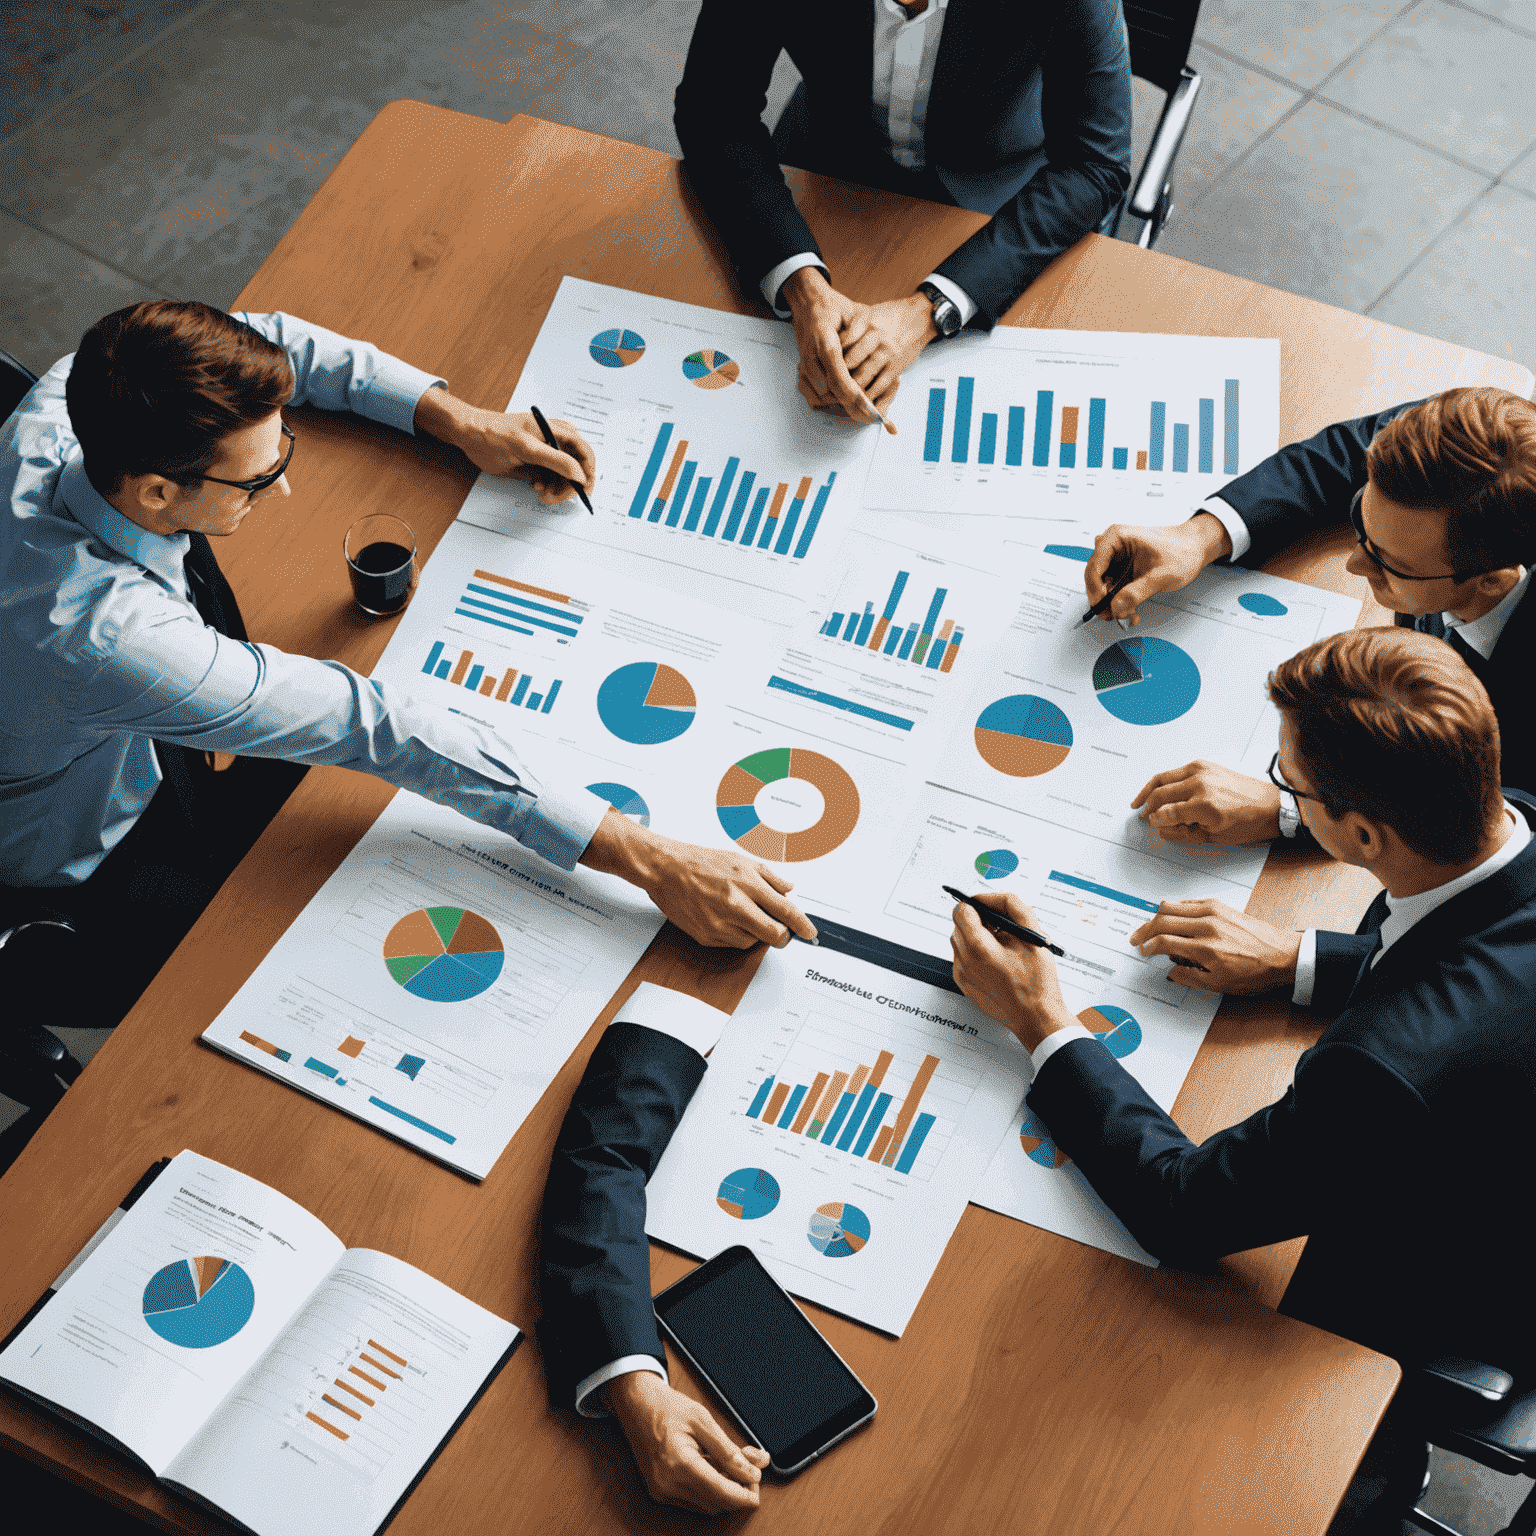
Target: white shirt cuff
1237 529
777 276
955 294
1054 1041
622 1367
677 1014
561 824
1306 969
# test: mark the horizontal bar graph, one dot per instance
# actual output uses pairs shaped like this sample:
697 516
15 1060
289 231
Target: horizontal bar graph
510 687
780 517
922 645
847 1111
852 706
1107 892
502 603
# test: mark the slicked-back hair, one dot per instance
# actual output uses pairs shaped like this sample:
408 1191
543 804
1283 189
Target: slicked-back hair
1393 724
1470 453
155 389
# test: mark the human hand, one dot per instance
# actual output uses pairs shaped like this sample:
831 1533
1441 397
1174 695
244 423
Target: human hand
1165 559
1203 802
509 443
1009 980
1239 953
823 319
685 1458
720 898
882 343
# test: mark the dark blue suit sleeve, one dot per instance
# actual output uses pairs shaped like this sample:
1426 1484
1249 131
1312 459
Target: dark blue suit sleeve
594 1260
1086 114
1339 958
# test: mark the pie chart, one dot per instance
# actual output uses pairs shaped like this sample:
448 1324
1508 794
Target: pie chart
1023 735
1263 604
646 702
1114 1026
199 1302
1143 680
617 349
1037 1143
996 863
748 1193
736 804
624 800
711 369
838 1229
444 954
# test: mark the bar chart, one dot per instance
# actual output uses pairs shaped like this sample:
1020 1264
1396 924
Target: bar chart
507 685
747 508
502 603
922 643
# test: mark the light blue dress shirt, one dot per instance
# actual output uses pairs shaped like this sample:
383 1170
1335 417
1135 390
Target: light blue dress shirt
102 650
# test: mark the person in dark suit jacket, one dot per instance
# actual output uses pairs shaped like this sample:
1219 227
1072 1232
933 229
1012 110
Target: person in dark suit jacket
602 1347
1402 1146
1019 112
1442 497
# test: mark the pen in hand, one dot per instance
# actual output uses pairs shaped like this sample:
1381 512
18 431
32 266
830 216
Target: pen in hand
995 919
1121 572
549 437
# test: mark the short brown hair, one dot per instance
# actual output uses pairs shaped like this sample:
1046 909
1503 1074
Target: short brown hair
155 389
1394 724
1470 453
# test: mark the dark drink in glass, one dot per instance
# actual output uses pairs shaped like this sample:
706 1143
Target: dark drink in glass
381 560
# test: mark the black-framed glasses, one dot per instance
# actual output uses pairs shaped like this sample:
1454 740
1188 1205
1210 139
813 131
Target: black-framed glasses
1288 789
261 482
1357 522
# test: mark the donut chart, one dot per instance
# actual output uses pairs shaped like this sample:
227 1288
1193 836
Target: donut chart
626 801
838 1230
736 804
617 349
1037 1143
444 954
996 863
199 1303
711 369
1023 735
1120 1032
646 703
748 1194
1144 680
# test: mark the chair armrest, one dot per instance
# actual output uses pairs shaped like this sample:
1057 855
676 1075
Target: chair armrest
1171 126
1472 1382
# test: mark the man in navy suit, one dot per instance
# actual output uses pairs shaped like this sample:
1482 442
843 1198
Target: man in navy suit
1402 1148
1019 112
1442 497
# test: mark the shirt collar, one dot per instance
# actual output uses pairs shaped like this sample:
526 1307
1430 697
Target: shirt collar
1483 634
898 12
159 554
1403 912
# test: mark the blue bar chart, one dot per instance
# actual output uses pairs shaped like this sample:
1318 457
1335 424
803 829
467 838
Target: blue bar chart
508 686
921 643
517 608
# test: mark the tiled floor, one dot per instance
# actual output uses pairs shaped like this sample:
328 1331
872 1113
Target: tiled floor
1376 154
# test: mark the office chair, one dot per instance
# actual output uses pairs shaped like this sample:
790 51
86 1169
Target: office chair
15 380
1161 32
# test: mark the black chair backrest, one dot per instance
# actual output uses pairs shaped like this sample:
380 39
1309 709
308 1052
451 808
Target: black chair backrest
1161 32
15 380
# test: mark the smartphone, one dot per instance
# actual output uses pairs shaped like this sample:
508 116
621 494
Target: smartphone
763 1357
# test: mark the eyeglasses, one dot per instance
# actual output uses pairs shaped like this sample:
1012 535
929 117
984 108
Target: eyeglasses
1288 789
261 482
1357 522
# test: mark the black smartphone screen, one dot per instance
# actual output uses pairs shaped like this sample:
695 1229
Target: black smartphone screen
764 1356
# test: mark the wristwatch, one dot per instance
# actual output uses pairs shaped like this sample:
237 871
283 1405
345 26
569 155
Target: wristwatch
946 313
1290 816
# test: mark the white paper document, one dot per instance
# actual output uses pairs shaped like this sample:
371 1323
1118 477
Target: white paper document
437 982
843 1122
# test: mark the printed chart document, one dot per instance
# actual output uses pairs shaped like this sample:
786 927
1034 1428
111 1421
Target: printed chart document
1107 425
710 465
437 982
228 1340
844 1120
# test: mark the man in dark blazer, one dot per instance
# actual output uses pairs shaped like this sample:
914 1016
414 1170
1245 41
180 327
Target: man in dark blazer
1403 1146
1442 496
1019 112
602 1347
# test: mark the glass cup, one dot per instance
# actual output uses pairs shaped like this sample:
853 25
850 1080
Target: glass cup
381 560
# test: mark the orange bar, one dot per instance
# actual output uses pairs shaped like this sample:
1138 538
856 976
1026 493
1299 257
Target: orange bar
258 1042
776 1102
879 634
1141 458
829 1098
457 675
486 684
522 586
951 653
909 1107
366 1377
672 469
353 1390
877 1151
943 634
882 1061
388 1354
778 499
858 1078
807 1104
805 489
340 1434
352 1047
379 1366
510 678
1069 423
351 1413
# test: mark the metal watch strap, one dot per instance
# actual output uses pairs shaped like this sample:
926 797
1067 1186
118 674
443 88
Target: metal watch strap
1290 817
946 313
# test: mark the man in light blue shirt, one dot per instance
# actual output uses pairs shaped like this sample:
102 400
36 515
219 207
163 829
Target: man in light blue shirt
163 429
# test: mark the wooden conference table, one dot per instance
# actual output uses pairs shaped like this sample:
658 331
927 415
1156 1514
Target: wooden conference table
1042 1386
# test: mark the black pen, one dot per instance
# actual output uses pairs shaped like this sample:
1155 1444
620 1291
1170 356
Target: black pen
995 919
1122 563
549 437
